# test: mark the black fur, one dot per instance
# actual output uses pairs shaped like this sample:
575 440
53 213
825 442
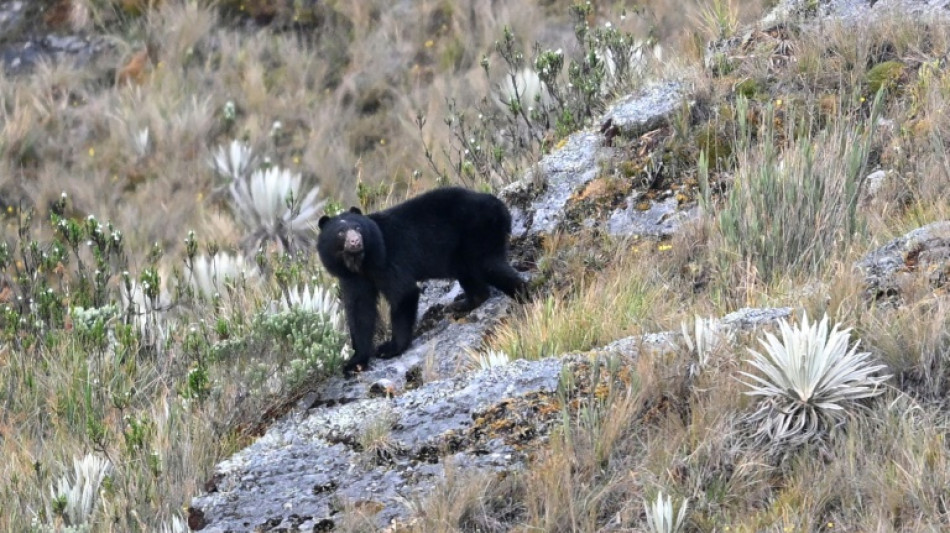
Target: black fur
446 233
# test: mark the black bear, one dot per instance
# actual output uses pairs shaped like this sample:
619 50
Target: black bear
446 233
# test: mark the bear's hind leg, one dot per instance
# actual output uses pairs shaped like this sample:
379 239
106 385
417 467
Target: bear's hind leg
505 278
476 292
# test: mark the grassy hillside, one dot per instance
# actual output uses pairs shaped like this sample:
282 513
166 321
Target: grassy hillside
151 309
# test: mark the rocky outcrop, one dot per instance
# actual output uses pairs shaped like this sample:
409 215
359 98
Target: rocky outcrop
541 200
855 11
381 456
920 256
380 453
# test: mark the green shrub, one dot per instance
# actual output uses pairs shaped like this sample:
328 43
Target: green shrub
538 97
794 200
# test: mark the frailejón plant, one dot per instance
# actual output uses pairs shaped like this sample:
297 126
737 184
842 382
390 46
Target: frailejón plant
76 499
234 161
209 277
317 300
660 515
808 380
270 204
708 336
491 359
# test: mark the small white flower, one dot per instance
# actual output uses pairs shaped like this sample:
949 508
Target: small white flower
230 111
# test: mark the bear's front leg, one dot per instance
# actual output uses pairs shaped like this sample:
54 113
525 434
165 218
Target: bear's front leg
403 308
359 303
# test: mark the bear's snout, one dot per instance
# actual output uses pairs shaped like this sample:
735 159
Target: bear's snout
352 241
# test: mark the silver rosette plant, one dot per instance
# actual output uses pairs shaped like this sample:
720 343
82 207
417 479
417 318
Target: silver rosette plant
809 381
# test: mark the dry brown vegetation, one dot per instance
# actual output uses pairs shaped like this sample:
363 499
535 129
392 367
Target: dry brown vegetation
803 90
333 93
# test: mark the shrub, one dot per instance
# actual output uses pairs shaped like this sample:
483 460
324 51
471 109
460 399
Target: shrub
794 201
539 96
310 327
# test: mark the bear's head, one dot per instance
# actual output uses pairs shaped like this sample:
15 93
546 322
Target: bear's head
349 242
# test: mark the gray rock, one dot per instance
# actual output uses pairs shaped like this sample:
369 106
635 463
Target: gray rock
67 43
873 183
666 341
923 251
813 16
662 219
24 42
22 56
856 11
750 318
447 340
11 16
561 173
630 347
641 112
306 468
538 201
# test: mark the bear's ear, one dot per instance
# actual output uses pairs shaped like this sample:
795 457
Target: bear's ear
323 221
355 210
